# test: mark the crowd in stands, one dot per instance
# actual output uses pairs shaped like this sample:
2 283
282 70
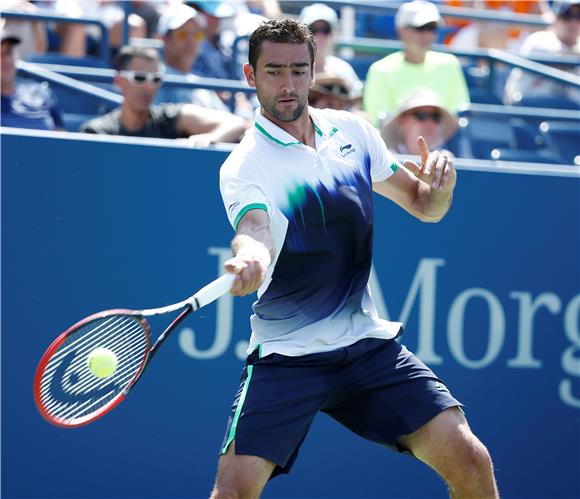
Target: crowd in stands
418 90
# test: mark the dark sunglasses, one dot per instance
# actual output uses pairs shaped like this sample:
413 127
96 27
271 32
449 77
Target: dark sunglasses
427 27
570 15
322 31
425 115
336 89
140 77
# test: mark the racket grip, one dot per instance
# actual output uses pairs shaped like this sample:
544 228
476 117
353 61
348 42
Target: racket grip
214 290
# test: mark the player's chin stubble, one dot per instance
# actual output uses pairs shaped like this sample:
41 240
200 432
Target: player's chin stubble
287 116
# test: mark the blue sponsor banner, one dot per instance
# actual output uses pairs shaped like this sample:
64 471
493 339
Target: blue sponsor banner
490 299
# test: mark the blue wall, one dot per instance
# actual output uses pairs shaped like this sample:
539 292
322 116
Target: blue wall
88 226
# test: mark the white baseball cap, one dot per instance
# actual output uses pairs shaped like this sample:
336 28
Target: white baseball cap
416 14
319 12
175 16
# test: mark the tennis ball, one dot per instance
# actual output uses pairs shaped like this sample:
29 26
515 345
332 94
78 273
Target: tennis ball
102 362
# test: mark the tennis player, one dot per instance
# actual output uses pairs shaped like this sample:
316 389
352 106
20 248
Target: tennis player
298 192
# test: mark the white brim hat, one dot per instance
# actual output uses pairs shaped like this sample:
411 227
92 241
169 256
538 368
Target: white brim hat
391 131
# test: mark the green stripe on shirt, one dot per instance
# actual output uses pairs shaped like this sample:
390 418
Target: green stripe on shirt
245 209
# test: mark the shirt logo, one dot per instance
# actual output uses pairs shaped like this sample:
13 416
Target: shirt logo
233 206
346 149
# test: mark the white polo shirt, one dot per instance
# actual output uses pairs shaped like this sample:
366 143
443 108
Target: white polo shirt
315 297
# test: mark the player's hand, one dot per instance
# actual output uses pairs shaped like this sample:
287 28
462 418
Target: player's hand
250 273
436 169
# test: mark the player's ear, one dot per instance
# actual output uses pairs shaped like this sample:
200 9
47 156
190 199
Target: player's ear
250 75
312 75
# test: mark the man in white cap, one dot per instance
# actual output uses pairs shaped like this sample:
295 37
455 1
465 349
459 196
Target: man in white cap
416 66
182 30
323 22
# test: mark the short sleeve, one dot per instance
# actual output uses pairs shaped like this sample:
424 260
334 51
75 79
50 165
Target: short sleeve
382 162
241 191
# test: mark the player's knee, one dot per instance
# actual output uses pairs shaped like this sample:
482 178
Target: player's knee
474 463
234 491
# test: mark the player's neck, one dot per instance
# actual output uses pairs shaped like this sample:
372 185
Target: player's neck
301 129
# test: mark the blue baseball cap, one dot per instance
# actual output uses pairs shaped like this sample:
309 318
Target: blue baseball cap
214 8
561 6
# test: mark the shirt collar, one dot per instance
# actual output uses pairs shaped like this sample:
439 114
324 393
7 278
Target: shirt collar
322 128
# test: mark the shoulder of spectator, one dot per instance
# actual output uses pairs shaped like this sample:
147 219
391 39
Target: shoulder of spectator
100 123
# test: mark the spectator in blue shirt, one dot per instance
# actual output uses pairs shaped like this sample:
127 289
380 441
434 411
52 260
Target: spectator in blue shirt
24 104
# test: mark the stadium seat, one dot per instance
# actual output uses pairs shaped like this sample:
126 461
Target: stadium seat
361 65
485 134
563 138
526 136
73 121
539 156
553 102
56 58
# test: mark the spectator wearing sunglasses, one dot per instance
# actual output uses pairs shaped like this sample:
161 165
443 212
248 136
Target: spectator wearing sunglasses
390 79
182 30
333 92
562 38
139 76
420 114
323 23
23 104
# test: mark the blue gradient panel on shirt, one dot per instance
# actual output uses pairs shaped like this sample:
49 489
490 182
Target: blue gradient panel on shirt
326 257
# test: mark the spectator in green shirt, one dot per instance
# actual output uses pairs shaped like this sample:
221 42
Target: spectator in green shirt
392 78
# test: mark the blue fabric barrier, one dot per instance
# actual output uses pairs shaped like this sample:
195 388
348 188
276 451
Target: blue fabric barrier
490 298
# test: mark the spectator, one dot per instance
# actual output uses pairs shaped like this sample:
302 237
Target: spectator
212 60
32 34
323 23
182 30
77 39
270 9
562 38
333 92
419 114
139 75
24 105
390 79
492 34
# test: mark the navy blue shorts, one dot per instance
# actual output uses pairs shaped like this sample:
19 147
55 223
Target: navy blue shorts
376 388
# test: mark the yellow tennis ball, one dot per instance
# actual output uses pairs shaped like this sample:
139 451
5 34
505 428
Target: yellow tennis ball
102 362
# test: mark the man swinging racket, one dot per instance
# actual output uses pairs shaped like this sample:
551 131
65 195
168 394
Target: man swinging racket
298 192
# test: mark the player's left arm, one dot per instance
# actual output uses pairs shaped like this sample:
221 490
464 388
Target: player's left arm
425 190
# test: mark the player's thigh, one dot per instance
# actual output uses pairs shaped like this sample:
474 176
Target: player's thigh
241 475
447 444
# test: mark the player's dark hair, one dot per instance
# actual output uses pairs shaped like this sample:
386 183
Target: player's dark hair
129 52
280 31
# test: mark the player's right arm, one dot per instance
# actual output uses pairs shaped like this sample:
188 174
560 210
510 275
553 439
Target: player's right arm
253 249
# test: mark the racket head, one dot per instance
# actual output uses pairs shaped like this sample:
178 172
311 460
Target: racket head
66 392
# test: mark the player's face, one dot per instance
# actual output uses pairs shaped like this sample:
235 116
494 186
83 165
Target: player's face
282 78
139 95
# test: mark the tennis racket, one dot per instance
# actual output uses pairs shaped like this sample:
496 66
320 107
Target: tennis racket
66 391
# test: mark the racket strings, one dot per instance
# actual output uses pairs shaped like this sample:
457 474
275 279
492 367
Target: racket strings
69 391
